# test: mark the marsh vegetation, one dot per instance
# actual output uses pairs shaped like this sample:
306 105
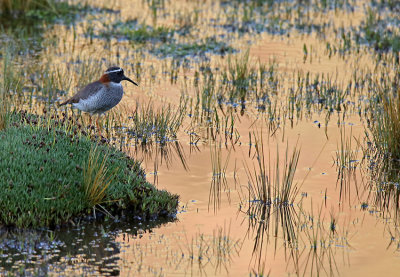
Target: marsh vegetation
278 120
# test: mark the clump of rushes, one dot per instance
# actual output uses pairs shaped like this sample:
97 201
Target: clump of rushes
42 180
385 128
269 196
271 184
384 136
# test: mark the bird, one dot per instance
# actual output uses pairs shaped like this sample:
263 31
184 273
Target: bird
102 95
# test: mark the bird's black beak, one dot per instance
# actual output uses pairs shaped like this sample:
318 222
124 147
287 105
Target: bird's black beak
126 78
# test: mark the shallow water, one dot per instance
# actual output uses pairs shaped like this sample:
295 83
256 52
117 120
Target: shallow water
213 235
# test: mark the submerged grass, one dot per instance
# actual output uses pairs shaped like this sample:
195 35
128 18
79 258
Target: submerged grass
136 32
149 125
379 32
164 41
200 48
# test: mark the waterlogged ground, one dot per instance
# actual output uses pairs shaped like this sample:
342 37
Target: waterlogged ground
228 94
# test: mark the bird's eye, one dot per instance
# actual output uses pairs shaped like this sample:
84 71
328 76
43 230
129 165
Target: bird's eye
121 73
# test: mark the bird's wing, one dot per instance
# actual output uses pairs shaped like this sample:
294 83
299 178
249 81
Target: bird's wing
84 93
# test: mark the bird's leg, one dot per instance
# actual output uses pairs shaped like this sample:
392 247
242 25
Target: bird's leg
98 126
90 124
97 123
76 117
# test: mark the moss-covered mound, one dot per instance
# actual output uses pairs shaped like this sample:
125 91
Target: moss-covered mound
42 182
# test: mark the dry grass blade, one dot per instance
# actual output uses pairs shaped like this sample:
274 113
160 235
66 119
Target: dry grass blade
4 111
10 84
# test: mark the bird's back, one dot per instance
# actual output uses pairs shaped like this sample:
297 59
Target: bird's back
84 93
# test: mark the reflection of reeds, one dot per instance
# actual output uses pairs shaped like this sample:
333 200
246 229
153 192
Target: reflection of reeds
155 133
214 251
167 154
308 239
218 181
160 153
318 243
394 241
346 162
268 223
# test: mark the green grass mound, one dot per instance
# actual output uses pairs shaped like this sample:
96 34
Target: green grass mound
50 176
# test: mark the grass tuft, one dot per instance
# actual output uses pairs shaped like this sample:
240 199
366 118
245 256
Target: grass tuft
273 185
96 177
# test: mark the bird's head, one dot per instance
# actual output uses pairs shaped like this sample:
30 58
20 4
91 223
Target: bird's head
115 74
